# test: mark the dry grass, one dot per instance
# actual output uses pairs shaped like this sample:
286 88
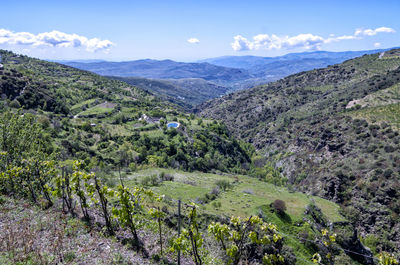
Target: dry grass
29 235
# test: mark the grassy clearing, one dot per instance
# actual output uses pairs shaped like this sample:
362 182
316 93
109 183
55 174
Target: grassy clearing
81 104
95 111
117 129
243 199
247 196
153 133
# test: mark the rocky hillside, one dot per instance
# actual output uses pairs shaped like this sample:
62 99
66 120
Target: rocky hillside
332 132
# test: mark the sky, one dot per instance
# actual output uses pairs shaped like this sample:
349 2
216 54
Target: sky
190 30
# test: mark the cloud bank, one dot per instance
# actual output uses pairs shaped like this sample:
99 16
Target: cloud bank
54 39
304 41
193 40
372 32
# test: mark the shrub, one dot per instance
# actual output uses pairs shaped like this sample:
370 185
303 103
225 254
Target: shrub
378 171
223 184
216 204
389 149
279 206
15 104
215 191
388 173
374 127
166 177
150 180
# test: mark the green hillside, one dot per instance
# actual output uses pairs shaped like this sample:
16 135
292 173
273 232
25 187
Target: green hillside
105 121
52 114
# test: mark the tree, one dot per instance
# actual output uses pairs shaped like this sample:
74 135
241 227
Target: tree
279 206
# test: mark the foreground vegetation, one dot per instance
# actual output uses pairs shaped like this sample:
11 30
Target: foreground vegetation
30 171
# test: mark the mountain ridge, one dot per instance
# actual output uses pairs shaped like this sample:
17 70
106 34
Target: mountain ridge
224 60
231 72
150 68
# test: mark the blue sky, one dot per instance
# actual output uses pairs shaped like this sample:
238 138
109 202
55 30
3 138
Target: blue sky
126 30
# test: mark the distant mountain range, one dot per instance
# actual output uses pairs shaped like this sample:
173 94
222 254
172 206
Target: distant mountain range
186 92
274 68
165 69
214 77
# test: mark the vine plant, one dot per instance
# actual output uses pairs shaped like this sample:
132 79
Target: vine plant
239 237
63 190
159 216
130 212
93 185
78 177
191 239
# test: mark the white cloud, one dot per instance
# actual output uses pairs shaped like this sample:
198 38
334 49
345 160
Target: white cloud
55 39
307 41
346 37
193 40
241 44
372 32
304 41
377 44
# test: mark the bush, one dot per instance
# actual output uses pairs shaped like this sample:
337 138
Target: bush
216 204
150 181
215 191
15 104
279 206
371 148
223 185
389 149
166 177
388 173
